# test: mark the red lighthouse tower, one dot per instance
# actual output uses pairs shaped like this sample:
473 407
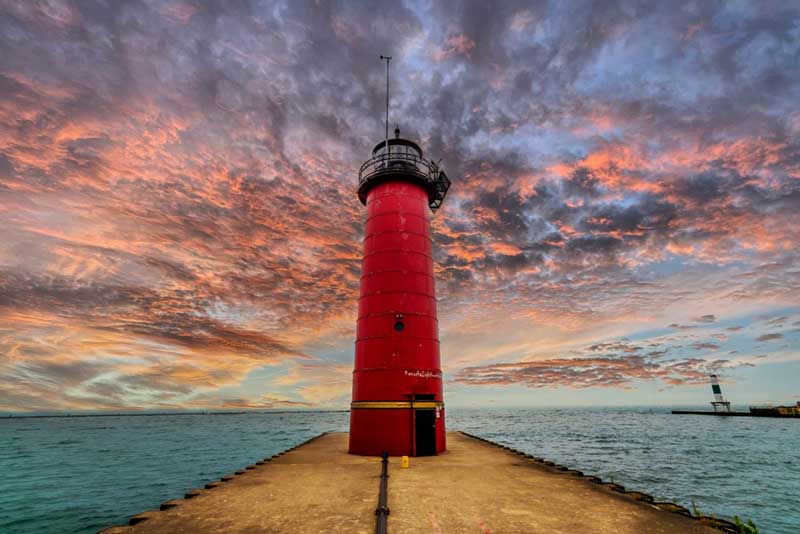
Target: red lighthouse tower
397 382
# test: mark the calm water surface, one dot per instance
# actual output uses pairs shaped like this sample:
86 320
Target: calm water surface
81 474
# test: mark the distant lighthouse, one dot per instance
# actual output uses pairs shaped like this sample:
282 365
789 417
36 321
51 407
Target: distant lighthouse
719 403
398 405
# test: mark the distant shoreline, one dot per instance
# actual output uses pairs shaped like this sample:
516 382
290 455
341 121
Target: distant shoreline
123 414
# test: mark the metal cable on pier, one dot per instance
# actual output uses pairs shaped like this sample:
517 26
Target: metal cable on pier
382 511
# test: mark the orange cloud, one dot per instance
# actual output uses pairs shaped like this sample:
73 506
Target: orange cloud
453 46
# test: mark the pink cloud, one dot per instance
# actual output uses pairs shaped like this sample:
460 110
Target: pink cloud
454 46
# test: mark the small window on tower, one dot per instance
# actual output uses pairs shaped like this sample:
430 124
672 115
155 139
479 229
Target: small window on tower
398 325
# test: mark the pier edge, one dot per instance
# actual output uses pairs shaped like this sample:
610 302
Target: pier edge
714 522
174 503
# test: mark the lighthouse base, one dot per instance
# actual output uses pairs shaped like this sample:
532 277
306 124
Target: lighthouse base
411 429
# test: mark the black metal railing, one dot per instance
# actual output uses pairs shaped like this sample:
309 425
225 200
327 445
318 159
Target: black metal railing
397 161
409 163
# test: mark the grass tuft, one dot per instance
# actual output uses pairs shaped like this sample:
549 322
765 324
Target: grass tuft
745 528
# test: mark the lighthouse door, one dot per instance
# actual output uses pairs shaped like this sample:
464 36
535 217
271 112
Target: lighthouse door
426 432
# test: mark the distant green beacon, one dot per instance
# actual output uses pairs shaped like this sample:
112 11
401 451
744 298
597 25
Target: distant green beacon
719 403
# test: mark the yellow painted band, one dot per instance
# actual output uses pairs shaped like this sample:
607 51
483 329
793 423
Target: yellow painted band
355 405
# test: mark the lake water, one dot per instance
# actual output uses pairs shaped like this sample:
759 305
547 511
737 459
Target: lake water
81 474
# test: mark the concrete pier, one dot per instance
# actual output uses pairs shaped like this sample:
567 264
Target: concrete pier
764 413
474 487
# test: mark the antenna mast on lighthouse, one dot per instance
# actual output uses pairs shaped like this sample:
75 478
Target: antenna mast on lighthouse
387 59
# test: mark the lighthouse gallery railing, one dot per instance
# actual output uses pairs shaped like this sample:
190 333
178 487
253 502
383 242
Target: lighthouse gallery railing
408 163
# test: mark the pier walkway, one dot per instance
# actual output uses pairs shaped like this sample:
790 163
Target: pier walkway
474 487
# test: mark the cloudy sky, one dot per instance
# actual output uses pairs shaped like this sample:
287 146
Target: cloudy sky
179 226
